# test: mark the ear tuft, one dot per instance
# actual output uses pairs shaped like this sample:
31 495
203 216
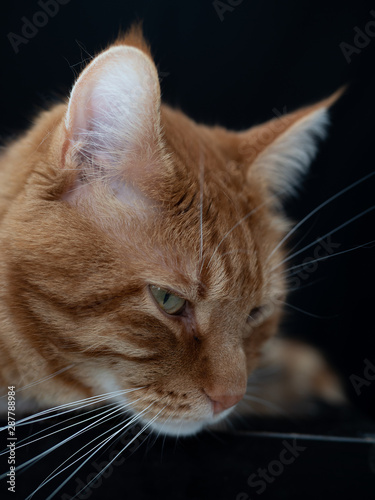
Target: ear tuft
134 38
280 151
287 159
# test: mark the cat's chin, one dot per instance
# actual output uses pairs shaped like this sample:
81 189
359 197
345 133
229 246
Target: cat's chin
185 427
178 427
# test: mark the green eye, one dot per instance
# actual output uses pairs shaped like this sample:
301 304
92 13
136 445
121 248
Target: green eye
167 301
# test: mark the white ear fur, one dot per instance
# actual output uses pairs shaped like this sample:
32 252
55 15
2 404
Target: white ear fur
112 121
287 159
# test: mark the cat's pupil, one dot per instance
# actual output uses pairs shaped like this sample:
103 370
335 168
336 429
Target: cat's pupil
167 301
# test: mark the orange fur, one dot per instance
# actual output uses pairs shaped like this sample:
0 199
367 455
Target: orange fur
76 259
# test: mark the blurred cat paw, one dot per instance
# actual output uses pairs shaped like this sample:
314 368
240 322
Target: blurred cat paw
291 377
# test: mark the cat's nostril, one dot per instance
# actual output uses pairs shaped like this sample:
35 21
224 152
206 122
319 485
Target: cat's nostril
221 402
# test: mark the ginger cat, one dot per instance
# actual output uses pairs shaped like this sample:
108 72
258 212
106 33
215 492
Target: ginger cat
142 253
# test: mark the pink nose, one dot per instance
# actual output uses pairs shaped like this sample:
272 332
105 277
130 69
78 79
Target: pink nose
221 402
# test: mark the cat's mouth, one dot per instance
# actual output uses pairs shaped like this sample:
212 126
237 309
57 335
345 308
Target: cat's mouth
170 415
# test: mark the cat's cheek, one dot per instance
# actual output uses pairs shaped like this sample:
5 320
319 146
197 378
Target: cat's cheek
105 381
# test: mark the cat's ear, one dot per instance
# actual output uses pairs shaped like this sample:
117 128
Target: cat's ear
279 152
112 123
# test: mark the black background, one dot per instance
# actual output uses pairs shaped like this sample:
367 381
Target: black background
233 70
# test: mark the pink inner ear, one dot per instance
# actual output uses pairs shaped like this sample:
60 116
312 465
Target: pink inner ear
114 105
113 119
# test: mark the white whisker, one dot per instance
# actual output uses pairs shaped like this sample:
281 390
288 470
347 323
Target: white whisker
72 406
44 379
302 238
26 442
234 227
146 426
66 440
98 413
86 460
306 285
95 448
120 424
315 210
356 217
306 312
298 266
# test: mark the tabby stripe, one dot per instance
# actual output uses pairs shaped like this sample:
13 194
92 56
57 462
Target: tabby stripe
185 210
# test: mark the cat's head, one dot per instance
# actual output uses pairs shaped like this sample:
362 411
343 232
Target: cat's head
145 250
